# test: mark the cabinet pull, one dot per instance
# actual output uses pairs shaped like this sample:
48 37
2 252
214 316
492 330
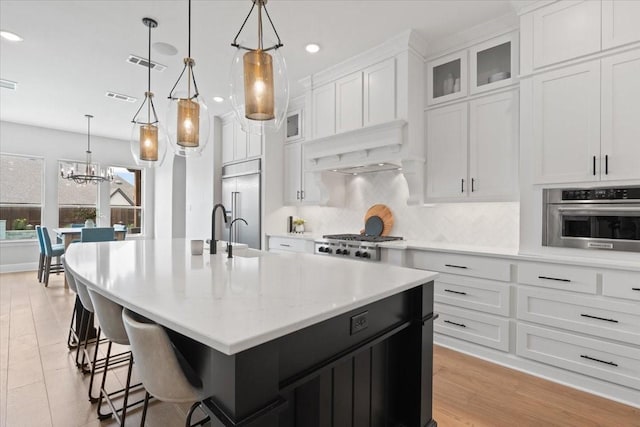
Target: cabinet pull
594 165
462 185
455 292
599 318
553 278
635 289
455 266
462 325
472 185
298 195
606 164
584 356
285 245
301 194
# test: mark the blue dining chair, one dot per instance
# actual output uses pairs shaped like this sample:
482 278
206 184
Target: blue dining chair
97 234
51 251
77 225
41 257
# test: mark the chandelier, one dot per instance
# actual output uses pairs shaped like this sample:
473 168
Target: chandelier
259 83
88 172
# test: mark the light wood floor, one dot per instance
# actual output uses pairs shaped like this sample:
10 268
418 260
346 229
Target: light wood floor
40 385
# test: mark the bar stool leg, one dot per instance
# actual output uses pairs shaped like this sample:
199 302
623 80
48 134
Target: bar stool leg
144 408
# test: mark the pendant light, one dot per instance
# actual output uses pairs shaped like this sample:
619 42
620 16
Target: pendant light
88 172
259 83
148 137
188 117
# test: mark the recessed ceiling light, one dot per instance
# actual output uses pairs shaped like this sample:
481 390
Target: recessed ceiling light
165 48
218 98
8 84
12 37
312 48
380 164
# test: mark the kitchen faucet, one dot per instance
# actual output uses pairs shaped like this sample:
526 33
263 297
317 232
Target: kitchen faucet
229 245
213 244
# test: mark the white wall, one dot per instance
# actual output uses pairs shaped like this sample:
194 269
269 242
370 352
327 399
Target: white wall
54 145
478 224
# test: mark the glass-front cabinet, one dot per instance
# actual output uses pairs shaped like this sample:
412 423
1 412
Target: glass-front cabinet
447 78
494 63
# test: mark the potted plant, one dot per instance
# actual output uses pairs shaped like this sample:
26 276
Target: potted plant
299 223
88 215
19 224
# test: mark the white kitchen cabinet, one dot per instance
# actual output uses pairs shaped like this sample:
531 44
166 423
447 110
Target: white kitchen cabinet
349 102
565 30
566 124
620 142
324 110
300 186
289 244
472 155
493 146
447 151
237 145
379 85
447 78
465 265
478 328
493 64
477 294
621 284
620 22
558 276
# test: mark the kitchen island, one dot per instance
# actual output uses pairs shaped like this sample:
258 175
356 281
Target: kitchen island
282 339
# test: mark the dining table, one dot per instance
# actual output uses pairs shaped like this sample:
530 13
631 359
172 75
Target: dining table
69 234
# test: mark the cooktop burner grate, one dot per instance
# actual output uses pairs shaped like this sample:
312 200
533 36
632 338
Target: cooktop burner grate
361 238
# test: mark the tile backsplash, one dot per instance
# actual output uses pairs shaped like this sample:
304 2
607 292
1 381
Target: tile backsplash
481 224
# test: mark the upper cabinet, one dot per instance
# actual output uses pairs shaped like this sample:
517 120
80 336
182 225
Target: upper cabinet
238 145
620 22
493 64
447 78
568 30
357 100
564 30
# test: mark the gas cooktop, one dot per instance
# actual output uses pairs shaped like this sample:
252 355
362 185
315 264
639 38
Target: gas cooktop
361 238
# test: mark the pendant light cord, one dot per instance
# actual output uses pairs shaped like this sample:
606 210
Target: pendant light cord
149 81
189 45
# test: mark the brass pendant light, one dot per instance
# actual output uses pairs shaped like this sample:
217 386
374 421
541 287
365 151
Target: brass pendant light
188 118
259 85
148 137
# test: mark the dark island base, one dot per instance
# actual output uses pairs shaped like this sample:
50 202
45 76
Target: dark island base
356 369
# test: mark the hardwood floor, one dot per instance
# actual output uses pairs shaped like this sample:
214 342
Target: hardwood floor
40 386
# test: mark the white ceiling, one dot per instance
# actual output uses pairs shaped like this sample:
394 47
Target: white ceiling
74 51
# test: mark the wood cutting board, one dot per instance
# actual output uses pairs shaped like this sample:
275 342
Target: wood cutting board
385 215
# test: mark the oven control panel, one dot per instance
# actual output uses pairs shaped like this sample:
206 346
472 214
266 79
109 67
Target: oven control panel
348 250
628 193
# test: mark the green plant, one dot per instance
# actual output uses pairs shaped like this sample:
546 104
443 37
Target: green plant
19 224
298 221
84 214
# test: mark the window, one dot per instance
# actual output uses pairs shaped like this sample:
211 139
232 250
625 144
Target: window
126 199
76 202
20 196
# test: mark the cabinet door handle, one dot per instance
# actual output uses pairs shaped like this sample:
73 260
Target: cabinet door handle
298 195
301 194
584 356
594 165
462 185
285 245
553 278
455 292
462 325
635 289
599 318
455 266
472 185
606 164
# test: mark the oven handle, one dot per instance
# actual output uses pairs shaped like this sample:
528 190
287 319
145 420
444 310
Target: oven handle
621 209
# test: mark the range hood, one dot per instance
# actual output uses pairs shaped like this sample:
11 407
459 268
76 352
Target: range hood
382 147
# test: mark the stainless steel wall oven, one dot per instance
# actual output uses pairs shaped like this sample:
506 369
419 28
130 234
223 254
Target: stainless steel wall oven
596 218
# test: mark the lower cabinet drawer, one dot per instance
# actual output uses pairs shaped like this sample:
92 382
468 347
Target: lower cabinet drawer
616 363
483 329
563 277
465 265
477 294
621 284
590 315
288 245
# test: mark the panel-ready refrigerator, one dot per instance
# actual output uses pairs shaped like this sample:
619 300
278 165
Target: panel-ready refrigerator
241 199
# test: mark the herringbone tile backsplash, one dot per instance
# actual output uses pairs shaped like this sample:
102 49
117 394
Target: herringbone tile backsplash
481 224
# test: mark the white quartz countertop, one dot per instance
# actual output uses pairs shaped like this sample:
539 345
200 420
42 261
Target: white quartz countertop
233 304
